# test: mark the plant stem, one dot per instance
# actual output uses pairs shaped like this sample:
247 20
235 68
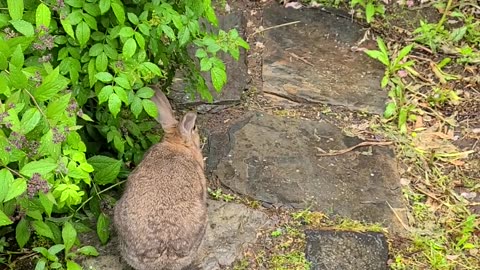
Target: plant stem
444 16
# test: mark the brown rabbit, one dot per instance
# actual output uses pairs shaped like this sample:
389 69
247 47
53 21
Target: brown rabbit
162 215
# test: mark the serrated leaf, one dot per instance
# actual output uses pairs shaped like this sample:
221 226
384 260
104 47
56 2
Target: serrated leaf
43 16
4 219
136 107
41 228
15 9
30 120
205 64
88 251
42 167
104 77
6 180
103 231
24 27
57 107
17 188
22 233
114 104
200 53
118 10
69 236
82 33
219 78
129 48
105 94
106 169
50 86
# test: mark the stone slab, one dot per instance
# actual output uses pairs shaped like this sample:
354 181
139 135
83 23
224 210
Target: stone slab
274 159
333 250
312 61
232 227
236 71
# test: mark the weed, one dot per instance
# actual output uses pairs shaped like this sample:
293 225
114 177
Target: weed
219 195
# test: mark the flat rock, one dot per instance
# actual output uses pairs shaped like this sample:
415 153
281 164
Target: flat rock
232 227
312 61
236 72
274 159
332 250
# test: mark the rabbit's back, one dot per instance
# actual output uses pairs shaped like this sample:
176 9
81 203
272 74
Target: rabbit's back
161 218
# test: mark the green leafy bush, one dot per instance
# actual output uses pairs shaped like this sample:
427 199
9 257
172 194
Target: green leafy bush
75 108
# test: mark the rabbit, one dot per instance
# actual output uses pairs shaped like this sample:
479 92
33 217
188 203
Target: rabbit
161 217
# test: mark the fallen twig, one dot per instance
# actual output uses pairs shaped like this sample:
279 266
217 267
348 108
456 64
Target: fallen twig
340 152
273 27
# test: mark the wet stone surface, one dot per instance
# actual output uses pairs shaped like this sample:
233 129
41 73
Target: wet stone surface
236 71
312 61
232 227
274 159
332 250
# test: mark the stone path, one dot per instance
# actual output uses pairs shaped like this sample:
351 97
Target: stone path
275 159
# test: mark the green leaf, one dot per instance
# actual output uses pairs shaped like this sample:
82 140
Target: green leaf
41 264
152 68
402 120
219 77
132 18
126 32
121 93
57 107
205 64
404 52
129 48
145 92
88 251
55 249
67 26
150 107
30 120
96 49
42 167
118 10
168 31
71 265
114 104
145 29
42 16
123 82
140 40
382 46
103 230
17 188
51 85
105 94
75 3
200 53
369 11
69 236
104 6
390 110
15 9
22 232
210 14
104 77
23 27
106 169
4 220
41 228
136 107
101 62
184 36
17 58
6 180
83 33
47 200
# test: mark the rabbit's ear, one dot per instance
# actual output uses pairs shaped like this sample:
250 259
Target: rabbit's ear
187 125
165 116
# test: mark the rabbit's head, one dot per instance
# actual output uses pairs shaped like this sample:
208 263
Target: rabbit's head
180 133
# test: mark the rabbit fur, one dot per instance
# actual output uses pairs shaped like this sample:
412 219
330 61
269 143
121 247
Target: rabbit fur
162 216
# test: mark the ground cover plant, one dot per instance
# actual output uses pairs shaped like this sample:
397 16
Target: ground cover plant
75 109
